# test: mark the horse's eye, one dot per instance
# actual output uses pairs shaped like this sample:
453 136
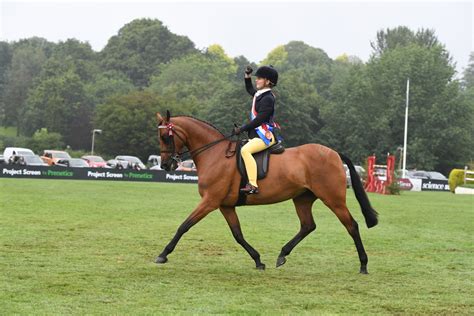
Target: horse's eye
165 140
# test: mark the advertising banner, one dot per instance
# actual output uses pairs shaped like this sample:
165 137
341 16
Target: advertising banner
423 185
10 171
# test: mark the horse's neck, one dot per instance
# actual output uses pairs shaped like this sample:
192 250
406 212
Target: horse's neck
199 134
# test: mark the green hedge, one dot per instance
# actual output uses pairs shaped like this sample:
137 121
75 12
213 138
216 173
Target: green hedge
456 178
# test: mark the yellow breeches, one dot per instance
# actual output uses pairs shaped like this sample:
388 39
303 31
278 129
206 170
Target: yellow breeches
254 145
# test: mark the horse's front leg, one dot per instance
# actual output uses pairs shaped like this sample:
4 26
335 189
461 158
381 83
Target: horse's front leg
199 213
234 224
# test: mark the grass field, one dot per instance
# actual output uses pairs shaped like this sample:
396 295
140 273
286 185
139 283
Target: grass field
87 247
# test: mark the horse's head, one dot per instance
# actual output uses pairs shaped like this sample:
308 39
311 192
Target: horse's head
171 142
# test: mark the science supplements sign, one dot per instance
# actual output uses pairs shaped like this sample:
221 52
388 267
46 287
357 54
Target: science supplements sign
423 185
8 171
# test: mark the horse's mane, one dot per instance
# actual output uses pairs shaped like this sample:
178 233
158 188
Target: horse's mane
202 121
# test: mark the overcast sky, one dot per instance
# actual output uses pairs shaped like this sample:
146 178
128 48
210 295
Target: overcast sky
246 28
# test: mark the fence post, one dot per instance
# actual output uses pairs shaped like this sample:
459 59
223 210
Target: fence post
465 174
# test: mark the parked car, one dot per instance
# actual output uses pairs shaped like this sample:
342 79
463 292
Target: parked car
2 160
134 162
117 164
16 151
95 161
156 167
422 174
187 165
154 162
436 175
360 171
52 156
72 163
28 160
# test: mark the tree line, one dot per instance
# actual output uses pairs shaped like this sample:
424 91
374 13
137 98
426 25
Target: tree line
61 91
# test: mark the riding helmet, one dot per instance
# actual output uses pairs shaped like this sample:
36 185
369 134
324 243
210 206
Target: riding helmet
268 72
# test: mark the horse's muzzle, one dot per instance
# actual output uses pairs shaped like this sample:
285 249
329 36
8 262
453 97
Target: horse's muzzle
169 165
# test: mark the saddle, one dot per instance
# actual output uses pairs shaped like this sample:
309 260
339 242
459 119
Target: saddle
262 159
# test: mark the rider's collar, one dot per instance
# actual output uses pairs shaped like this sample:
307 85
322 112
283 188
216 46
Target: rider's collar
262 91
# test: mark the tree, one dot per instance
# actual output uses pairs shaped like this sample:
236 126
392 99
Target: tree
467 98
297 109
61 98
313 64
350 125
42 139
468 78
241 62
129 124
80 56
142 45
59 102
27 59
435 109
229 105
107 84
402 36
189 83
5 62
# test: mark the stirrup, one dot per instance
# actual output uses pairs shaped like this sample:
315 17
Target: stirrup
249 189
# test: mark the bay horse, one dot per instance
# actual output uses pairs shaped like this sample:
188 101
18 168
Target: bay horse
304 173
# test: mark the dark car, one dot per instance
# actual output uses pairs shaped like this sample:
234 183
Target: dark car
72 163
418 174
434 175
133 162
422 174
117 164
29 160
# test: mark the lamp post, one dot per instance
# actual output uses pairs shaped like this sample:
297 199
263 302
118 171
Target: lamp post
98 131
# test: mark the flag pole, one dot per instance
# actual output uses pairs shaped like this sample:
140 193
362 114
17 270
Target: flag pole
406 130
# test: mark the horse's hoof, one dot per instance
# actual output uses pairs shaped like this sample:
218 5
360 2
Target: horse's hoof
261 266
160 260
363 270
280 261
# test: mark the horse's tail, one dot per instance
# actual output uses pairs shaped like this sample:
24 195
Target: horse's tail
369 213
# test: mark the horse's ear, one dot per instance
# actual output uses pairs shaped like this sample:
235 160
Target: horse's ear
168 115
159 118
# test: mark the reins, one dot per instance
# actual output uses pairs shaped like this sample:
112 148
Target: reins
177 156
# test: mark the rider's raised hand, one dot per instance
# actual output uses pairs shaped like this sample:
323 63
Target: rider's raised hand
248 71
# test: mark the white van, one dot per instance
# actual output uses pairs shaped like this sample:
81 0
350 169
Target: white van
13 151
154 162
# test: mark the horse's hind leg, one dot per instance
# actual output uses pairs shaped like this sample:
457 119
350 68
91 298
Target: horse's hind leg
303 204
234 224
341 211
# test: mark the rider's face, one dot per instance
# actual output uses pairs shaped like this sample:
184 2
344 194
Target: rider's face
261 83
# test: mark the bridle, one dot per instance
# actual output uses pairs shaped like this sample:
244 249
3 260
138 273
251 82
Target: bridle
168 138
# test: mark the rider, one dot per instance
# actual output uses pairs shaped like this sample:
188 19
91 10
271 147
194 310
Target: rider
260 128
